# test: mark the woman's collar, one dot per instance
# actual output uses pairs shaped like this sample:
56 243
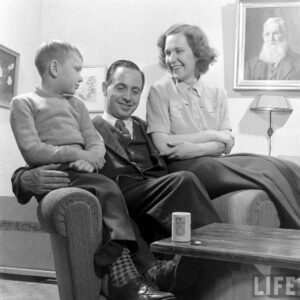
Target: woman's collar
182 86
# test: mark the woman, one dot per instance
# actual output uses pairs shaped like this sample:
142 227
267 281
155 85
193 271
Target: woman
189 124
181 108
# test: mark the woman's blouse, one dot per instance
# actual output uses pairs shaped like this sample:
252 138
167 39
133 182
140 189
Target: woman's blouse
177 108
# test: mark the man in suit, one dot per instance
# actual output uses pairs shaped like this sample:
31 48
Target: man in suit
151 194
276 60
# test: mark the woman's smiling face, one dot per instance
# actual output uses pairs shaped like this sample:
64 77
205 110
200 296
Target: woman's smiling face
180 59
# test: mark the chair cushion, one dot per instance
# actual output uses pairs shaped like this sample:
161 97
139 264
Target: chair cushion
248 207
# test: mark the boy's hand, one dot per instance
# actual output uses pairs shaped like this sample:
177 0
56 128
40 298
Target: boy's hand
81 165
94 158
102 162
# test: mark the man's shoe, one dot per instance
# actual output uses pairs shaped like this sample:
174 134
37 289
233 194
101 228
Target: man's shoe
174 275
138 290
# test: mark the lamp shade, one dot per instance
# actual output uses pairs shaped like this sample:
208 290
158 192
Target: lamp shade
271 103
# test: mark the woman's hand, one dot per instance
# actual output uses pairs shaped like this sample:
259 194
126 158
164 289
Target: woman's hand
227 139
229 145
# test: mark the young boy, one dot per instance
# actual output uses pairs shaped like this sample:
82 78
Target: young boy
51 125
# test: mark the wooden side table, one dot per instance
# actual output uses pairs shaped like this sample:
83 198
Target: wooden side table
240 244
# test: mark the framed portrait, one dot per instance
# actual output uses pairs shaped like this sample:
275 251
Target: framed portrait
9 67
267 55
90 89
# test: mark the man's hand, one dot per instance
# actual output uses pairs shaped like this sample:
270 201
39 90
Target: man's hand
44 179
81 166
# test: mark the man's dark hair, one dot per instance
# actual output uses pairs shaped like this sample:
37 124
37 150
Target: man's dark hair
123 63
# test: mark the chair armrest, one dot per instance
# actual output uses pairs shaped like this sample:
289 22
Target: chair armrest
294 159
247 207
73 217
57 206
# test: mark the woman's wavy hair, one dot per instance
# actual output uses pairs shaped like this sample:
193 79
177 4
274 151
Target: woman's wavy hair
198 42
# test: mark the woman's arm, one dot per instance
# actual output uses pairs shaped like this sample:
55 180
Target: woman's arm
93 141
205 142
209 142
186 150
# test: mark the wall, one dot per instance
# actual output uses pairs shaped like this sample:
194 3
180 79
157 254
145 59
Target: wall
129 29
106 30
251 128
19 31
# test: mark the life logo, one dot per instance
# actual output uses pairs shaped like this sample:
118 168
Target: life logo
276 286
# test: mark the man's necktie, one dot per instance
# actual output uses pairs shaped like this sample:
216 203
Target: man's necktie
125 134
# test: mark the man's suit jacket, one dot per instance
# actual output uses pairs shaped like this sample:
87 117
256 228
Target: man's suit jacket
289 68
116 157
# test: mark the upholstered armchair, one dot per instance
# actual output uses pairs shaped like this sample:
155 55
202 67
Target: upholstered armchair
73 219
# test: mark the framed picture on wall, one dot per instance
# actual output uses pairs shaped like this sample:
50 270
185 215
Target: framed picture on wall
90 89
267 55
9 67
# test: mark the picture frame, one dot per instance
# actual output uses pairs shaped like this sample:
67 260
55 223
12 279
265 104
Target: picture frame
251 72
9 69
90 89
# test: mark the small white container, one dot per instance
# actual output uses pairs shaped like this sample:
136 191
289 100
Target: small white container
181 226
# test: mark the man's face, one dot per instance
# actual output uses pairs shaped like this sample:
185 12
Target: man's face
123 92
272 34
69 73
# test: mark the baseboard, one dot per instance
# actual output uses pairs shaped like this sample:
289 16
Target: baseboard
29 272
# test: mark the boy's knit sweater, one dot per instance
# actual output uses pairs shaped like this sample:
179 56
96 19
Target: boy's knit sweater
52 128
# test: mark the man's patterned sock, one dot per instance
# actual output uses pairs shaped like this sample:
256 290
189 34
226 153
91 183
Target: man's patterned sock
123 270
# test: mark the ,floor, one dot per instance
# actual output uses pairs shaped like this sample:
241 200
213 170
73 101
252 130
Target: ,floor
18 287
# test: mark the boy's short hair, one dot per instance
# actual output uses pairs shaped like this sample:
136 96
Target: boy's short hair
53 50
